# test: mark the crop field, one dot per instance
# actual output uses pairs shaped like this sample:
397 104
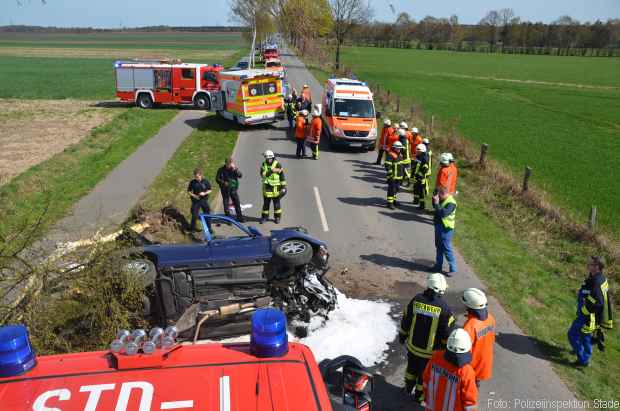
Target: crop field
559 115
36 63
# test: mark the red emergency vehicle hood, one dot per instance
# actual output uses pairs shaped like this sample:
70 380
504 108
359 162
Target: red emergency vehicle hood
189 377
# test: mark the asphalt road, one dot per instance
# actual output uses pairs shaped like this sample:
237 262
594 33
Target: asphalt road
389 247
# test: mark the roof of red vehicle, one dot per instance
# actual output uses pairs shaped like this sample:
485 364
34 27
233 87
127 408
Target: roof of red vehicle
188 377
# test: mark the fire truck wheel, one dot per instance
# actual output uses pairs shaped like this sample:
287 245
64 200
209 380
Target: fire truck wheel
145 100
202 101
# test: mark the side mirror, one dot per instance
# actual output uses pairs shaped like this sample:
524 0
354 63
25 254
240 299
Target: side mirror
378 114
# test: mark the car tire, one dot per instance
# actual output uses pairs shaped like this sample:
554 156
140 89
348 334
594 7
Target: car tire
294 252
201 101
145 100
144 269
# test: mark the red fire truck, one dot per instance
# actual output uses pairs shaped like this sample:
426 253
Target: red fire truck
144 372
149 82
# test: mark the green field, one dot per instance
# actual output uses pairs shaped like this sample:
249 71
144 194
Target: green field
80 66
568 132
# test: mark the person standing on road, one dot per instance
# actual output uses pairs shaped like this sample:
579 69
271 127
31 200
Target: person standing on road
199 190
594 313
227 178
291 112
274 186
425 325
386 132
301 124
406 139
454 175
421 173
449 378
480 325
314 132
416 139
395 167
429 154
445 174
306 98
445 216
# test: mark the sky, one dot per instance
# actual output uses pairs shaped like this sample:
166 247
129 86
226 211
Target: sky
131 13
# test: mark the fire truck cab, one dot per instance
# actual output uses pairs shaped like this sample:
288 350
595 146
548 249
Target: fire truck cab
149 82
349 115
152 371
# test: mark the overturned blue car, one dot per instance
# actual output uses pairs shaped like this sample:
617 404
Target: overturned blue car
210 289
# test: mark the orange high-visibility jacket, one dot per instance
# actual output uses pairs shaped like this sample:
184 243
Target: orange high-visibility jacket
391 139
453 178
447 387
386 132
482 334
445 176
315 130
417 139
300 128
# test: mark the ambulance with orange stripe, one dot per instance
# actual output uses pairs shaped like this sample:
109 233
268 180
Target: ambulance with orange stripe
349 115
249 97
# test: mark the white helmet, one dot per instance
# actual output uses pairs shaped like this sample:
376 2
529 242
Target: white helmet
450 157
415 130
317 109
459 341
475 299
444 158
316 113
304 113
290 96
397 144
403 125
387 122
426 141
421 148
305 86
436 282
269 154
402 132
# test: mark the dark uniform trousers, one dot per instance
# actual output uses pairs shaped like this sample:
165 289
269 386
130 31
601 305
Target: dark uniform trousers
197 205
227 196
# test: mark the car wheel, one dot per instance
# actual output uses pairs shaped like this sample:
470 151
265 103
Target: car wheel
144 269
294 252
145 100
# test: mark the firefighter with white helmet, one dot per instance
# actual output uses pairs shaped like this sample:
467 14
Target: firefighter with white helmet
395 167
406 139
384 139
314 132
480 325
421 172
274 186
449 378
446 176
425 325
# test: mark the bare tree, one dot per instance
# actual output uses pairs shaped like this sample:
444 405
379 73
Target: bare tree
346 14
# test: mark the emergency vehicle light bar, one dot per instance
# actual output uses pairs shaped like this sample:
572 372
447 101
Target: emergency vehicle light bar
16 353
269 337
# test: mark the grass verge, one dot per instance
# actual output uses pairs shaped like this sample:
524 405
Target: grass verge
53 186
212 141
531 260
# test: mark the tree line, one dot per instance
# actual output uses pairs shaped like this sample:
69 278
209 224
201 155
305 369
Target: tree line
498 31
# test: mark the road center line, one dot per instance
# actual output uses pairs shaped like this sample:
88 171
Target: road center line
317 197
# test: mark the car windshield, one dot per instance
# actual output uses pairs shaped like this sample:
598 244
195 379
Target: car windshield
354 108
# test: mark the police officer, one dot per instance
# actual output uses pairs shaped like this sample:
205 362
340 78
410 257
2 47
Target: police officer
425 325
421 172
395 166
227 178
480 325
274 186
593 313
199 190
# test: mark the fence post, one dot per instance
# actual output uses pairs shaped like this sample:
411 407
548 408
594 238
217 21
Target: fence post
526 178
483 154
592 222
388 98
412 110
432 125
398 104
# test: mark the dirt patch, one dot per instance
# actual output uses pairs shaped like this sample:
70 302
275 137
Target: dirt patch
32 131
112 53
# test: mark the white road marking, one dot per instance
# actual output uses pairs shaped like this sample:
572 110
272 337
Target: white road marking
225 393
317 196
173 405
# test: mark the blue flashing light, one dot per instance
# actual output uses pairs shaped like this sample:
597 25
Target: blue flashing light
16 353
269 338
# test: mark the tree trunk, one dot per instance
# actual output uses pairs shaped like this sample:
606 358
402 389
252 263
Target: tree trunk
338 43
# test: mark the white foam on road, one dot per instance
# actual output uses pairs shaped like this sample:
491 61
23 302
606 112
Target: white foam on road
360 328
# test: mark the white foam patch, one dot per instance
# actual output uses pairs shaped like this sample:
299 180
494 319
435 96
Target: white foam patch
359 328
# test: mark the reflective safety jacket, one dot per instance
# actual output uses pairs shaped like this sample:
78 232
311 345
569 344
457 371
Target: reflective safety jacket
454 175
445 212
415 140
395 166
391 139
272 181
445 176
427 321
300 127
482 334
594 304
407 142
448 387
386 132
420 168
316 126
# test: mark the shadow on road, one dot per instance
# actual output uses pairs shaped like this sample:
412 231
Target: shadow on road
408 216
389 397
159 106
524 344
397 262
213 123
364 201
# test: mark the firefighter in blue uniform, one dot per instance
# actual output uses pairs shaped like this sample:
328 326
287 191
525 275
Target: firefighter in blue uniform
594 313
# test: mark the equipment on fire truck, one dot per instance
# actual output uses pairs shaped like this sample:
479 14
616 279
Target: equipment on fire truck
355 382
